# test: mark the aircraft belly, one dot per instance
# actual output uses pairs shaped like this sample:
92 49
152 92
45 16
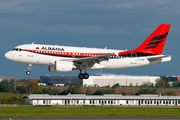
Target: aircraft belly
124 63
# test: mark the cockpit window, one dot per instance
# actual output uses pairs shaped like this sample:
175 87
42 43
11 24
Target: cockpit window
16 49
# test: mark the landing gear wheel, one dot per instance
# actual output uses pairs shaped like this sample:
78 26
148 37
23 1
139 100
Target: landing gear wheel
86 76
28 72
29 68
80 76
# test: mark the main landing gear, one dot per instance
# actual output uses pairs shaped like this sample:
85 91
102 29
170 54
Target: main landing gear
81 75
29 68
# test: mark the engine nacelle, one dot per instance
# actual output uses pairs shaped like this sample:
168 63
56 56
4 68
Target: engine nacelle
61 66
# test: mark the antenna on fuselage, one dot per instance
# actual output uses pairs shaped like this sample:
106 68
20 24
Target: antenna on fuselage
105 47
32 43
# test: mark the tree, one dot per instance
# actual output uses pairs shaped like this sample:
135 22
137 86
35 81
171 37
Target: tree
146 84
167 85
32 86
58 93
4 100
88 92
74 88
16 100
64 92
136 84
147 91
20 89
101 92
37 92
160 82
98 92
130 85
116 85
176 84
22 101
12 85
13 100
123 93
109 91
171 93
129 93
49 91
81 83
44 91
53 92
4 86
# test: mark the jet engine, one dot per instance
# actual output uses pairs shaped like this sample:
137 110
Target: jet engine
61 66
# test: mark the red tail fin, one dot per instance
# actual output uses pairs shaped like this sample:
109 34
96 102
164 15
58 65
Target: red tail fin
155 42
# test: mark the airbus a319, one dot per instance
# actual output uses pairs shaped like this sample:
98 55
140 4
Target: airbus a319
66 59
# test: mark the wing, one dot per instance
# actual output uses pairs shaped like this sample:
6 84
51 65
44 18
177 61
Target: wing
88 62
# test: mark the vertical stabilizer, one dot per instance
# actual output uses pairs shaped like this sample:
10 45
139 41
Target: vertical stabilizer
154 44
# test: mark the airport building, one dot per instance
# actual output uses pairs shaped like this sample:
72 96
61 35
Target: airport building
106 80
59 80
7 78
81 99
122 80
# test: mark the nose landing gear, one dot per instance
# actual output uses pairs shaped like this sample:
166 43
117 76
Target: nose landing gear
28 72
29 68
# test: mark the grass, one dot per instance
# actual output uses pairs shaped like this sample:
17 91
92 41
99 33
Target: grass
7 95
88 111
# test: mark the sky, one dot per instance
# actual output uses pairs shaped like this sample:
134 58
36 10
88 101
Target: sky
115 24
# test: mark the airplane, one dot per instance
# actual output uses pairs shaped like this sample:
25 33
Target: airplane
66 58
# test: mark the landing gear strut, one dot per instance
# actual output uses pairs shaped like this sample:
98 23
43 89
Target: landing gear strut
29 68
81 75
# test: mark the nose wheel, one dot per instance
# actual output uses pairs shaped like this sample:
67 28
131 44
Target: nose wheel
28 73
29 68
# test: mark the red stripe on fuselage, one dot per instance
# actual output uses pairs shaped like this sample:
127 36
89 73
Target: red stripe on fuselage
65 53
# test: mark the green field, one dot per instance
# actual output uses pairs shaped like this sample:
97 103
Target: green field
7 95
29 111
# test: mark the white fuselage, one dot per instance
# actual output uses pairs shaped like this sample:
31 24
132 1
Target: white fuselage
38 54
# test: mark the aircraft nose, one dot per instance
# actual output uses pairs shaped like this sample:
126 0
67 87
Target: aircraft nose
7 55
